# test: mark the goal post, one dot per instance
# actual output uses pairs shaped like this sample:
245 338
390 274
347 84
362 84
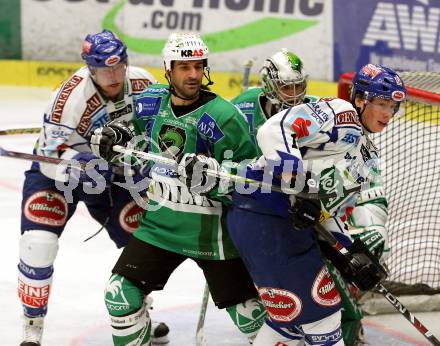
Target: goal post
410 162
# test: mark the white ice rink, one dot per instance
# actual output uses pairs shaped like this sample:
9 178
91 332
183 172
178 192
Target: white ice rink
77 315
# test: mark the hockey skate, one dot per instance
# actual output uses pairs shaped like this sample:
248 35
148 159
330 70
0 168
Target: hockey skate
32 331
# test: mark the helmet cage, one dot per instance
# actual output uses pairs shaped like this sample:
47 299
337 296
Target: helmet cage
282 79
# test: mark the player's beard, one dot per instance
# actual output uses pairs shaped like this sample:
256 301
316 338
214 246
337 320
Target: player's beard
188 90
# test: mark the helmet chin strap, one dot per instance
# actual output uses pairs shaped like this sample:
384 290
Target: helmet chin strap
174 93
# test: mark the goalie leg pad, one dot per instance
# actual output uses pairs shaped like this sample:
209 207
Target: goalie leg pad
130 321
248 316
37 250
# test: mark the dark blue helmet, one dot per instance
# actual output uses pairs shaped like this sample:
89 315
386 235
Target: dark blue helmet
103 49
378 81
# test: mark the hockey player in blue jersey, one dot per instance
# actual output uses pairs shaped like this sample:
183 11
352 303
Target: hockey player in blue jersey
95 94
326 147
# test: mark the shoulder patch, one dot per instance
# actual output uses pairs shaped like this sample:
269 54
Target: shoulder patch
347 118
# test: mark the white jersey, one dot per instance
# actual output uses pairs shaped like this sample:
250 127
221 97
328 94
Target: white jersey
77 108
327 139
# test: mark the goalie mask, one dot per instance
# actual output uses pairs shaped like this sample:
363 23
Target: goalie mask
282 78
377 81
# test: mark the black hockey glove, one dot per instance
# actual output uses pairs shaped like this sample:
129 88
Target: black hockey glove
360 267
192 172
305 213
116 132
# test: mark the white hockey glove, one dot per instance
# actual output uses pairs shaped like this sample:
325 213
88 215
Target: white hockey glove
116 132
192 172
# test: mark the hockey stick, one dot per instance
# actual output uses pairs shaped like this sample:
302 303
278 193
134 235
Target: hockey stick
146 156
246 73
20 131
200 334
383 290
37 158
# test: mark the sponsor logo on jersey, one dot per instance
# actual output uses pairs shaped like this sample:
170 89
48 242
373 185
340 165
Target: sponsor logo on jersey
246 105
351 138
347 118
208 128
33 296
147 106
63 96
317 113
300 126
119 113
130 216
139 84
281 305
47 208
92 104
324 290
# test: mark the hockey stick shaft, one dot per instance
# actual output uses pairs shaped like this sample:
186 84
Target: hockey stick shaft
200 334
246 73
37 158
383 290
234 178
20 131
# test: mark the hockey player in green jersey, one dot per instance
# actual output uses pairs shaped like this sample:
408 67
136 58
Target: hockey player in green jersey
183 220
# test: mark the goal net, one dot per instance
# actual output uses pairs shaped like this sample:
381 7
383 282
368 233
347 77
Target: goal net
410 162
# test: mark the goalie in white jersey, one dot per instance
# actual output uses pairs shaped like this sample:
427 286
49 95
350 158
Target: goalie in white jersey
325 147
95 94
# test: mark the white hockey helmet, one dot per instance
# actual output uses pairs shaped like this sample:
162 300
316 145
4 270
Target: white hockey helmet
184 47
283 80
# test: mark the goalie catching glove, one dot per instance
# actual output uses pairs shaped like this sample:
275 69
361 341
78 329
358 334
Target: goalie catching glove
359 267
116 132
192 172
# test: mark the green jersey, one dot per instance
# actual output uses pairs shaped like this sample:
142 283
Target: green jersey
252 103
177 220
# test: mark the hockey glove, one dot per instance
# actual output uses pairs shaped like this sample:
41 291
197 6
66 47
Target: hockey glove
97 171
372 237
116 132
359 267
192 172
305 213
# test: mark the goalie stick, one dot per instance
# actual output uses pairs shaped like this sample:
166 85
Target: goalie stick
383 290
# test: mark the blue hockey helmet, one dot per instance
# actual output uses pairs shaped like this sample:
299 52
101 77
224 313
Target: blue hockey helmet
104 49
378 81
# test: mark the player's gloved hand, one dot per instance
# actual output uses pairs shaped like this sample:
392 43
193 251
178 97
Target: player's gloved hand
305 213
97 171
372 237
364 269
116 132
192 172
